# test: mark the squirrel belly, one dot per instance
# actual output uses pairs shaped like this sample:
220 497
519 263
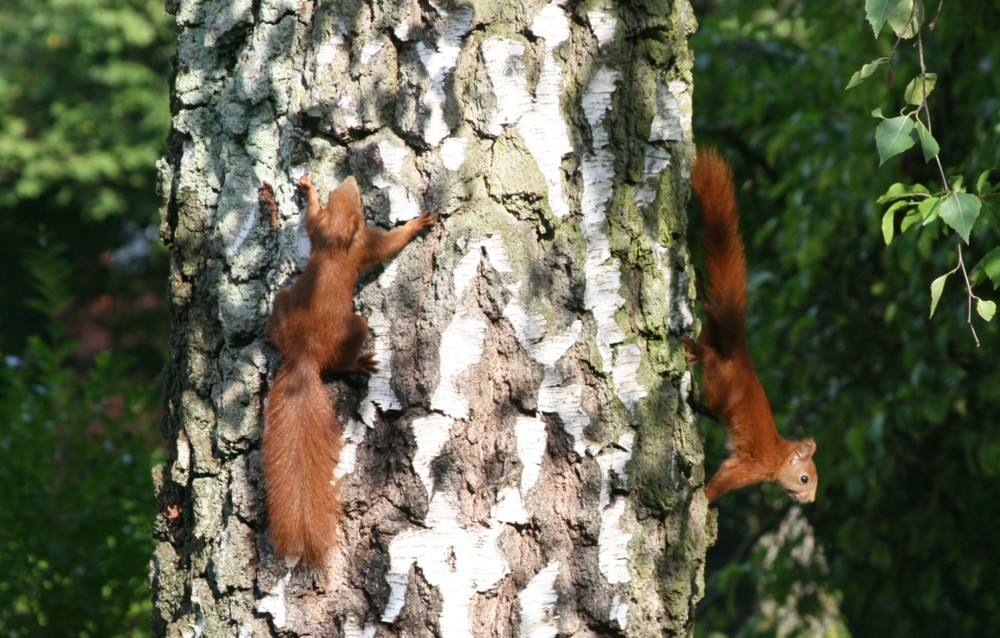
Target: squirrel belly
733 392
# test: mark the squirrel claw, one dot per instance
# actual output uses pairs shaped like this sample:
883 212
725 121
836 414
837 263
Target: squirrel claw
366 363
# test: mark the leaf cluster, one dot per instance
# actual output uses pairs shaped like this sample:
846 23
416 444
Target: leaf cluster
950 203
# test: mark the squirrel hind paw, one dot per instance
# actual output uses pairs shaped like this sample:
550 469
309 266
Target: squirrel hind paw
692 352
366 364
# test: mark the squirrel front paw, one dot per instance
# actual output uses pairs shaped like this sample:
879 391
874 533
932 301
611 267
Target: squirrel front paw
424 221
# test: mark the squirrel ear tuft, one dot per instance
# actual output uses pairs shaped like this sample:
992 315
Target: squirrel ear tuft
349 187
804 451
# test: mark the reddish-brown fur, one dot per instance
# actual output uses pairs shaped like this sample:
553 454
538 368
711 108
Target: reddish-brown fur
314 326
733 393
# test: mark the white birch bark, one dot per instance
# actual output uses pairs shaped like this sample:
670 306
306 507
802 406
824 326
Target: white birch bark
524 463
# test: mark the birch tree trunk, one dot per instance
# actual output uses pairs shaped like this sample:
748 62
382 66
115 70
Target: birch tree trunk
524 463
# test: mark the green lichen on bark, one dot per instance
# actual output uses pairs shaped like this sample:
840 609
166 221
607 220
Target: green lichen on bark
666 469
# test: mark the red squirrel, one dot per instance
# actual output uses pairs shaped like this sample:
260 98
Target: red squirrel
314 326
733 393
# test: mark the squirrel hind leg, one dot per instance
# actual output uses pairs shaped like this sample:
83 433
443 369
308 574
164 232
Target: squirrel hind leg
342 353
693 352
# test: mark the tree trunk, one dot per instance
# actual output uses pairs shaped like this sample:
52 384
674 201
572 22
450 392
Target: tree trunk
524 463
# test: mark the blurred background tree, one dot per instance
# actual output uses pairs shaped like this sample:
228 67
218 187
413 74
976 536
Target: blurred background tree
84 113
901 540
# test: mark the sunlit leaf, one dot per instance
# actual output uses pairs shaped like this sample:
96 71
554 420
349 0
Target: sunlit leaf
903 20
982 186
888 226
900 190
878 12
929 209
919 88
912 219
986 308
889 219
937 287
865 72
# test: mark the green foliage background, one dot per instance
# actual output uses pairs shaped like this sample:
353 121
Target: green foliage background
902 408
84 113
77 512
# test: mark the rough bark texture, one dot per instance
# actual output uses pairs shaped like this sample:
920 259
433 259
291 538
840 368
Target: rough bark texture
524 463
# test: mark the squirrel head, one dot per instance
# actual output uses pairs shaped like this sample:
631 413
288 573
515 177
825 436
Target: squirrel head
797 474
338 223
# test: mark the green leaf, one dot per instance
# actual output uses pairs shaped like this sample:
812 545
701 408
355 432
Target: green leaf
899 18
990 264
893 136
888 225
982 184
865 72
878 12
928 144
960 210
986 308
889 219
937 287
929 209
900 190
909 221
878 113
919 88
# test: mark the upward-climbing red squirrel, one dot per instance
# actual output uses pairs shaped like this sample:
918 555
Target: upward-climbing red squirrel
314 326
733 393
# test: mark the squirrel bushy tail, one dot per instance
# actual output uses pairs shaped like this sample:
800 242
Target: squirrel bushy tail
301 448
726 303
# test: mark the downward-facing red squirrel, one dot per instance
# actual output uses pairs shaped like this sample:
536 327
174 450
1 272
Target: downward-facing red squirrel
314 326
733 393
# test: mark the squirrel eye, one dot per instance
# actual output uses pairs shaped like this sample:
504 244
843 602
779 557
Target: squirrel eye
804 478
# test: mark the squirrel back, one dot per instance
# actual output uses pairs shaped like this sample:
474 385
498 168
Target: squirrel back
733 393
